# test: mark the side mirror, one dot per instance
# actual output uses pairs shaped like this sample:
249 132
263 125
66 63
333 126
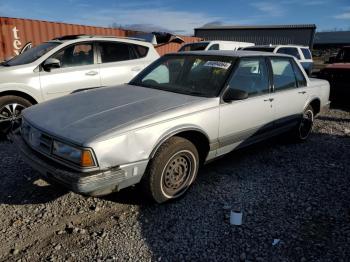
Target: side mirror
51 63
235 94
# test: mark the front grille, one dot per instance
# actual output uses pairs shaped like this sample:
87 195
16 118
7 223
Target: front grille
36 139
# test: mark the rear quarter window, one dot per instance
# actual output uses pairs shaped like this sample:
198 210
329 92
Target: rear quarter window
306 53
141 51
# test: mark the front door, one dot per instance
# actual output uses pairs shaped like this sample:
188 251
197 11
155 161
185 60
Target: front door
248 120
78 71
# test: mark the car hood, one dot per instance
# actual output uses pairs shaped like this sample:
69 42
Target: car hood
338 66
82 116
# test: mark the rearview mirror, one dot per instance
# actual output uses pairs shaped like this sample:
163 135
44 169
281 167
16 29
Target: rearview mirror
51 63
235 94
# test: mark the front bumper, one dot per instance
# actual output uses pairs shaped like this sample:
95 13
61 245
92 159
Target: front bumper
95 183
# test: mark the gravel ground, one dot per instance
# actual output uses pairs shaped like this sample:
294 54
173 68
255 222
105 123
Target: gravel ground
295 193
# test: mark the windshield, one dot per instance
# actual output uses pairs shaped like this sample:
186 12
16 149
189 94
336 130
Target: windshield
194 47
198 75
261 49
32 54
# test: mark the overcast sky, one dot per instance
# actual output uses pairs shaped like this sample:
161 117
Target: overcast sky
181 16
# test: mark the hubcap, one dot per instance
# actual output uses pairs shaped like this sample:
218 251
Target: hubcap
306 124
178 173
10 116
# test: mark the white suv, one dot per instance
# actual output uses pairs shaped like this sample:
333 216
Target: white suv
215 45
302 53
66 65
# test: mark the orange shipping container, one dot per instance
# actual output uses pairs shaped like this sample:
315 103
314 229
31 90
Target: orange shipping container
171 47
16 32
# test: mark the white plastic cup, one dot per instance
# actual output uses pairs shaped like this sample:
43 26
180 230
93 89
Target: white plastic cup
236 218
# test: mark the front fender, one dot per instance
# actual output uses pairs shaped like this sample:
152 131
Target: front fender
137 145
176 130
141 143
35 93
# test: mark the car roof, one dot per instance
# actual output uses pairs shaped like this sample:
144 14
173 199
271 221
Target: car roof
217 42
110 39
275 46
230 53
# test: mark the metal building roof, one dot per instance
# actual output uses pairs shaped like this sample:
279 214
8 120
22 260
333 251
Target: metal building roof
338 37
234 27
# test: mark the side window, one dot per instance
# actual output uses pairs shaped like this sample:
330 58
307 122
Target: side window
141 51
116 52
283 74
214 47
289 51
299 75
306 53
251 76
76 55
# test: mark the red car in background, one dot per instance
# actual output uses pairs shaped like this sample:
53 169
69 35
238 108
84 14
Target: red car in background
338 75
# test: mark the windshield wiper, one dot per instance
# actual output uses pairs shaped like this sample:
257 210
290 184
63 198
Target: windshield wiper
194 93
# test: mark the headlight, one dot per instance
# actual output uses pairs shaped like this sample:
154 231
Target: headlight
81 157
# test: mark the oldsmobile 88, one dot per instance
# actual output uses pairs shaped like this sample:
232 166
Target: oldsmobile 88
180 112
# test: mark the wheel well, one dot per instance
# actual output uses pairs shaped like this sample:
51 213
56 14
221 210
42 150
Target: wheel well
199 140
316 106
20 94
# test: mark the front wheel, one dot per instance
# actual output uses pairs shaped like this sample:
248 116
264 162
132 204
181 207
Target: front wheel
10 112
172 170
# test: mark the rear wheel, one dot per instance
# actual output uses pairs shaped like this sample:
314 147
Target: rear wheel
304 128
172 170
10 112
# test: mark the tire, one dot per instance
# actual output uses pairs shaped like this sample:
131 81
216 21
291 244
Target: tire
172 170
303 130
10 112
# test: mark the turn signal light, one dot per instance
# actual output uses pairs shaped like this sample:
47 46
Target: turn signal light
86 159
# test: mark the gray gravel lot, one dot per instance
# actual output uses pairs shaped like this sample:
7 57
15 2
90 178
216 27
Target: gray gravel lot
297 193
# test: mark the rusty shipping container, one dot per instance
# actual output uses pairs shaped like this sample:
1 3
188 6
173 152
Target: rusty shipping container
171 47
16 32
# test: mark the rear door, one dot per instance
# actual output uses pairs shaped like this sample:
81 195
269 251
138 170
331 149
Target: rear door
120 62
78 71
290 91
248 120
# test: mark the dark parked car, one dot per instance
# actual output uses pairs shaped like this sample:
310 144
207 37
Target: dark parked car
338 75
343 56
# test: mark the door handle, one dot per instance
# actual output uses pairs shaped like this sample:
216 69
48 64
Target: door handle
91 73
269 100
136 69
302 92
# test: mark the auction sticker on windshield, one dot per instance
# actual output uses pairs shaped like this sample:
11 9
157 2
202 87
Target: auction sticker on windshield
218 64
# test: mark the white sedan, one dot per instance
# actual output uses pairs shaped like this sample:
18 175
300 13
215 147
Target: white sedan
180 112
